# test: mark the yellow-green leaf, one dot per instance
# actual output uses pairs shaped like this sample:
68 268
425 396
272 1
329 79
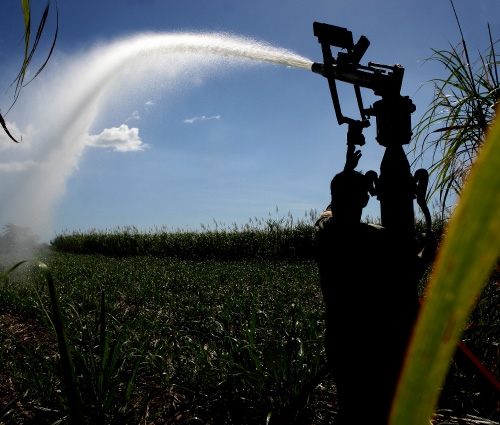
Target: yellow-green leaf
469 251
27 27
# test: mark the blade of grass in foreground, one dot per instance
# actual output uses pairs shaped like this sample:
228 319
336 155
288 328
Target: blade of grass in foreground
464 262
68 370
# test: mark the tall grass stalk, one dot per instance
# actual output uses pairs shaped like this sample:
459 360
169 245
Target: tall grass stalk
465 261
452 130
29 51
68 370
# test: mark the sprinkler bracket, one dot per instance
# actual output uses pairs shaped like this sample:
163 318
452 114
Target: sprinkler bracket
384 80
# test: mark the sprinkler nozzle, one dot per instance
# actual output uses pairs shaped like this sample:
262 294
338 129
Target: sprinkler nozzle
317 68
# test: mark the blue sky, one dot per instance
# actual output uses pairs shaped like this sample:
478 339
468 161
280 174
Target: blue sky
180 140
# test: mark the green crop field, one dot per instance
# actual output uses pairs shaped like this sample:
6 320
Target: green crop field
155 337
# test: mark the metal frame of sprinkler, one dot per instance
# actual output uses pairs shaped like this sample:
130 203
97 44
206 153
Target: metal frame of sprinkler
396 187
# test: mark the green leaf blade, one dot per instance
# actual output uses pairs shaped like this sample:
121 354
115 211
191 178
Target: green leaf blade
463 265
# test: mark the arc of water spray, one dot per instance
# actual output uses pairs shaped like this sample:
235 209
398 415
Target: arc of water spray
62 115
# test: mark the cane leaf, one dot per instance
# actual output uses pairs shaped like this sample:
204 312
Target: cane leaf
464 262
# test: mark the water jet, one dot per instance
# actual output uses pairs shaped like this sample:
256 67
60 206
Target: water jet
56 122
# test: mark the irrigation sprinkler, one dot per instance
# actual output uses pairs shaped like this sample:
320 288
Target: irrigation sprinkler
396 188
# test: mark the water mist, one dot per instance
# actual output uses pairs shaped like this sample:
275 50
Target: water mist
56 111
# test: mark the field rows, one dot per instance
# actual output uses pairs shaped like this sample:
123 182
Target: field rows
221 338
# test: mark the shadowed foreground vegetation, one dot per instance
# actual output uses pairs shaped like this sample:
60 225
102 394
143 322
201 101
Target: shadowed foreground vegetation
162 330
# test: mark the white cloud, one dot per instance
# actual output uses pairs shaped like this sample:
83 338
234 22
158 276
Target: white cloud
122 139
202 118
135 116
150 102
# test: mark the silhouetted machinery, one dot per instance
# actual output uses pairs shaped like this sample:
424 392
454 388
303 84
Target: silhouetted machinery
396 187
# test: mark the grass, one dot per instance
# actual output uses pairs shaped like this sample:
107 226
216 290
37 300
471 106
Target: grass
204 339
162 339
280 238
466 259
453 129
460 131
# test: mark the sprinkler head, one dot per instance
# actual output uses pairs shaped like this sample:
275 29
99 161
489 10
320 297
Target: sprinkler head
318 68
